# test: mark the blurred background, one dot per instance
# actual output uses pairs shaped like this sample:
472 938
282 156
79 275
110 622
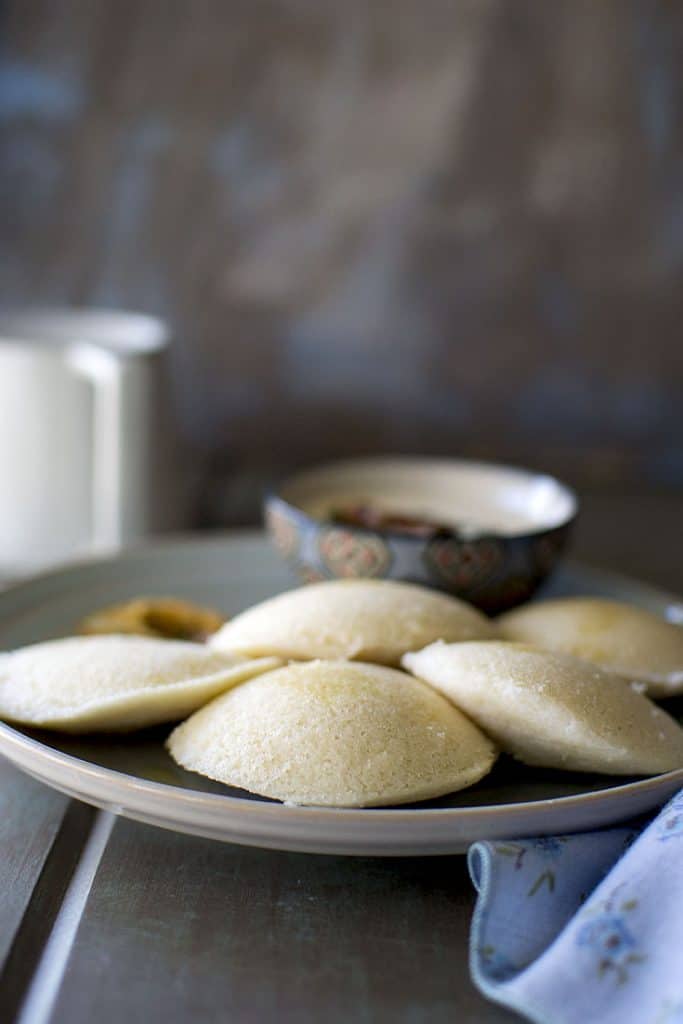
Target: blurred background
446 226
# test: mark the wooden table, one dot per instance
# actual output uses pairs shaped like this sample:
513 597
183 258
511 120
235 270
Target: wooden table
104 920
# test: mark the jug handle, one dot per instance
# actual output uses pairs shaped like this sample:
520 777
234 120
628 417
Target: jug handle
118 425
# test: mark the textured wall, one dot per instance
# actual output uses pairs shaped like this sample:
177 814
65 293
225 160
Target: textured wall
406 224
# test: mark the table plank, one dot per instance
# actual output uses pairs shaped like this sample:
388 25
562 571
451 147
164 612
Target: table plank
179 929
41 834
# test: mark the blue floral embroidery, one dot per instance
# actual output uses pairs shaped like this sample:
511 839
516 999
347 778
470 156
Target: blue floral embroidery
549 846
608 933
670 822
608 936
500 967
515 850
611 940
546 848
670 826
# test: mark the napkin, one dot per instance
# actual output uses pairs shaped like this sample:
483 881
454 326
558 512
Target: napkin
581 928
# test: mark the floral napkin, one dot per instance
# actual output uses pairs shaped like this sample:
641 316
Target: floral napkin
582 928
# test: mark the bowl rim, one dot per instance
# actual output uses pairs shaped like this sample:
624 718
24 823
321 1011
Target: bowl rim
273 493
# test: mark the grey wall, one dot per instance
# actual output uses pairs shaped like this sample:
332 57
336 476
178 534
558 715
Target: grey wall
404 225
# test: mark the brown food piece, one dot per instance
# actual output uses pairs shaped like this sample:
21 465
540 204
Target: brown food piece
370 517
166 617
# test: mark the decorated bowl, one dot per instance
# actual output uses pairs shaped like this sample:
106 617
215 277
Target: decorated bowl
485 532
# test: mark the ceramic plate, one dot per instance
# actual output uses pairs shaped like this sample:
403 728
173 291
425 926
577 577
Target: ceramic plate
134 776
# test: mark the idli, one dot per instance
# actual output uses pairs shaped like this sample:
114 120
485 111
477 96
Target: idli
552 709
619 637
361 620
167 617
336 733
114 683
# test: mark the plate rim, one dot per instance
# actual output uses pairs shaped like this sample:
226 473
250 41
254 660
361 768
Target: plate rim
241 819
278 809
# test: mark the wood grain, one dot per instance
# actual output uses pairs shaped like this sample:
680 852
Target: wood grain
41 834
184 929
30 817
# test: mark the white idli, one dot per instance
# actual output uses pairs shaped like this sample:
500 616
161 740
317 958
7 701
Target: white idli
619 637
114 683
334 733
363 620
552 709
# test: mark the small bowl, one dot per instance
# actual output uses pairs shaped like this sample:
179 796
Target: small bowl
492 533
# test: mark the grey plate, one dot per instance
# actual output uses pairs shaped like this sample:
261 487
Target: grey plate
134 775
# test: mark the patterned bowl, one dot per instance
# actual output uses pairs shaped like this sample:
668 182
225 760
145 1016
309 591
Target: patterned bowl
497 531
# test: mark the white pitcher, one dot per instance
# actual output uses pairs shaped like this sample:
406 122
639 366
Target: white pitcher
75 433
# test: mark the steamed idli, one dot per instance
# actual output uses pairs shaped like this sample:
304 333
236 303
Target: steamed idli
361 620
167 617
114 683
621 638
337 733
552 709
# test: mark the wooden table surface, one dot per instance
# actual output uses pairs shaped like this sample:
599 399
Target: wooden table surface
105 920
